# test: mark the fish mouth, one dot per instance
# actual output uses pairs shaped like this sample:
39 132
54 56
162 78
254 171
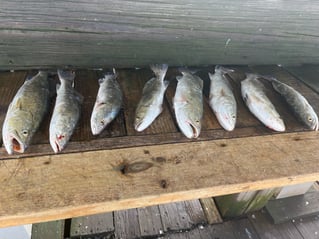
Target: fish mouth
139 126
56 146
15 144
190 130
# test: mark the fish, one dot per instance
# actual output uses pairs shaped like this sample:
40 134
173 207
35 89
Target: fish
66 112
297 102
25 113
222 99
253 94
188 103
108 103
150 104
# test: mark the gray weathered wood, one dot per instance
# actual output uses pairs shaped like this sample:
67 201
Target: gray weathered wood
293 190
210 210
308 226
150 221
267 230
243 229
285 209
260 200
126 224
52 229
130 33
90 225
195 212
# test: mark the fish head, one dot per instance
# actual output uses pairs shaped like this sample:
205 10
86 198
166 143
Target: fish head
312 120
144 116
59 140
99 120
17 134
227 119
189 124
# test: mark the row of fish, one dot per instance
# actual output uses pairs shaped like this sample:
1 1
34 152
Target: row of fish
30 105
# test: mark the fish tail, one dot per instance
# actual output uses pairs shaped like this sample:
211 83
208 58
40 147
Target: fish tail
66 76
223 69
159 70
186 70
108 75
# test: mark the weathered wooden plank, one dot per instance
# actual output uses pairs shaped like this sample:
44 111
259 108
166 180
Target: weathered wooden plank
268 230
260 200
126 224
307 73
192 234
210 210
86 183
150 221
174 216
243 229
224 230
92 225
195 212
52 229
285 209
234 204
133 33
132 84
308 226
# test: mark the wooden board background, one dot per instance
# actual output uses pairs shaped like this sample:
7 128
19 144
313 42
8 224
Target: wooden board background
136 33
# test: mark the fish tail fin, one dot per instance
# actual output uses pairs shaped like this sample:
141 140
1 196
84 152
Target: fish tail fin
159 70
66 76
223 69
186 70
108 75
269 78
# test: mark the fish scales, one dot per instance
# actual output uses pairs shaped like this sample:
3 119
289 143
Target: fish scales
66 111
25 113
188 104
222 99
258 103
108 103
299 104
150 104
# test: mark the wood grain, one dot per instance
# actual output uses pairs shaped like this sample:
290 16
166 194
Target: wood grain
126 224
86 183
150 221
210 210
134 33
52 229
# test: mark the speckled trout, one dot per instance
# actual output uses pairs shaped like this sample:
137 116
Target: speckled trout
66 111
253 93
25 113
108 103
222 99
150 104
188 103
298 103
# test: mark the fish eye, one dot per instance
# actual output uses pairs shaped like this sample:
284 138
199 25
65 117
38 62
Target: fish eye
102 122
309 118
60 136
197 121
25 132
233 116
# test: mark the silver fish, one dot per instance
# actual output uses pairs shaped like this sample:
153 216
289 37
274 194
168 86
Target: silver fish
66 111
222 99
150 105
252 91
25 113
188 103
108 103
299 104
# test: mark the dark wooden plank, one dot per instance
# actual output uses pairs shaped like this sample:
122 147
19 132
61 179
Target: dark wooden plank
150 221
267 230
243 229
308 226
92 225
290 120
224 230
307 73
210 210
134 33
282 210
126 224
192 234
52 229
132 83
195 212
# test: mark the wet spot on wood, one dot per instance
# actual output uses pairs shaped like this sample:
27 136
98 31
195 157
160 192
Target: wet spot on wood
297 160
223 145
163 183
297 139
159 159
127 168
47 162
